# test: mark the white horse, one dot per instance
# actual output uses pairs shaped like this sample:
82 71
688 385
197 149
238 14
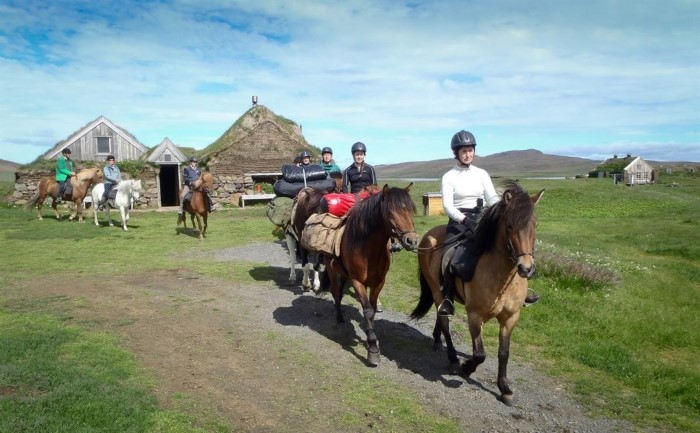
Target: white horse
128 191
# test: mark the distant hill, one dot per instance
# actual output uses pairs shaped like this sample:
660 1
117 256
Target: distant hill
514 163
7 170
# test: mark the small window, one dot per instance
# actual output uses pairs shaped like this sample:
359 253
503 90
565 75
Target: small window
103 145
167 157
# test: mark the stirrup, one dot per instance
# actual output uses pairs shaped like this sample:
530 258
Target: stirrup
446 308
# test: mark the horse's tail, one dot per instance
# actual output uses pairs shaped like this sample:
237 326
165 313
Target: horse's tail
426 298
33 202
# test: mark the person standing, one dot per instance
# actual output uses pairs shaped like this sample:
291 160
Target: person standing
327 163
64 171
359 174
465 188
112 176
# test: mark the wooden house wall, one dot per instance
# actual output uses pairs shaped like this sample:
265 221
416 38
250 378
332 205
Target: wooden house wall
265 149
641 170
85 147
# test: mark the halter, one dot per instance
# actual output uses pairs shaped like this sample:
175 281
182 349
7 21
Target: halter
513 255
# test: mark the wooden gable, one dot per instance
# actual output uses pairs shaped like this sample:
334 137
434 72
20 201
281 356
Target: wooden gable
98 139
167 153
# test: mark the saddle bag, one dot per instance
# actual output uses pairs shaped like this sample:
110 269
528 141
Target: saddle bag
296 174
338 204
288 189
279 210
322 234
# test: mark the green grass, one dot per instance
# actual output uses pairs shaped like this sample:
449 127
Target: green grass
619 276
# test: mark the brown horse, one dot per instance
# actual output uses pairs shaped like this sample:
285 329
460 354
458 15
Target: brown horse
48 186
505 239
198 204
364 253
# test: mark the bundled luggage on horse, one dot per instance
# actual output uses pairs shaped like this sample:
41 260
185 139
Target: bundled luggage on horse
279 210
282 188
298 173
322 233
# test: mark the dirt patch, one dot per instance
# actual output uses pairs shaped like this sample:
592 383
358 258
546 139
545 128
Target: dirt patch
268 357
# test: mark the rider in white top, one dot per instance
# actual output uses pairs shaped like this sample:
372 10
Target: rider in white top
462 186
464 190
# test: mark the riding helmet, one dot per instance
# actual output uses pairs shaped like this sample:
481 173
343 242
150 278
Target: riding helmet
66 151
461 139
194 159
326 150
110 157
358 147
305 154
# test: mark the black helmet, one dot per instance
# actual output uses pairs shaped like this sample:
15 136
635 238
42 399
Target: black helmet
66 151
305 154
110 157
326 150
358 147
461 139
194 159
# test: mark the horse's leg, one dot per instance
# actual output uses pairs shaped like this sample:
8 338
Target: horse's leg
442 327
478 354
204 221
125 217
199 226
368 310
79 210
292 248
337 283
504 334
109 215
306 267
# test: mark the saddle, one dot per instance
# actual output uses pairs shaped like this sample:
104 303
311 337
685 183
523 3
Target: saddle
460 255
68 189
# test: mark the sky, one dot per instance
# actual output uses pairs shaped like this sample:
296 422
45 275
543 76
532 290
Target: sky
586 79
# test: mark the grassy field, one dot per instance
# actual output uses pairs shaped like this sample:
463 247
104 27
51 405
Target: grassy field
619 276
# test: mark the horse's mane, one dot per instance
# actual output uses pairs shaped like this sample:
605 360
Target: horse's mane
206 180
87 174
132 184
516 212
368 215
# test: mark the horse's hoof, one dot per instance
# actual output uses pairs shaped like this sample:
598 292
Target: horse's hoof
507 399
373 359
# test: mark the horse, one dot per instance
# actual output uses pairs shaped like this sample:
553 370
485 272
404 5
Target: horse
128 191
505 240
306 204
365 255
48 186
198 204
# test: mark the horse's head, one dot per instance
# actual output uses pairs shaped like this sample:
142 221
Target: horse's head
518 226
400 208
136 190
92 175
338 178
205 181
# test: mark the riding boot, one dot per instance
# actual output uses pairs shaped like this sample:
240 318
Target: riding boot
531 297
211 205
447 306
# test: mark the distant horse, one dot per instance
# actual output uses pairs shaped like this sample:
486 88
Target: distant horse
505 240
198 204
48 186
365 257
127 191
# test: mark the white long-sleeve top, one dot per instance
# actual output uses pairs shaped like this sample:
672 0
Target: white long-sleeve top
462 186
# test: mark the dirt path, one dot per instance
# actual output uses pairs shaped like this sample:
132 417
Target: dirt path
268 357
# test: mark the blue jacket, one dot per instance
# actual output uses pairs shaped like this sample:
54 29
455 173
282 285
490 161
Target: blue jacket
191 175
112 174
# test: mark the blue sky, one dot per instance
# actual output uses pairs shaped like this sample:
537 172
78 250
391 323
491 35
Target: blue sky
586 79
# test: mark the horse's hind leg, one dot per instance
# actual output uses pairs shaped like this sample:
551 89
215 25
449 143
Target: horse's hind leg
442 327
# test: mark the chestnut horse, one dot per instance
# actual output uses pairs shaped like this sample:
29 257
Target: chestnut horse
365 255
198 204
505 240
49 187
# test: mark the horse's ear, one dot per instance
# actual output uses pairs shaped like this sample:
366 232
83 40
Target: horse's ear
385 190
507 196
536 198
408 188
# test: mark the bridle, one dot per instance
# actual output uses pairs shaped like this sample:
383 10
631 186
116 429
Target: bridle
514 256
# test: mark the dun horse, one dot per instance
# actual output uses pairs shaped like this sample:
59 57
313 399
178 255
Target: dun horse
198 204
505 240
365 256
49 187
